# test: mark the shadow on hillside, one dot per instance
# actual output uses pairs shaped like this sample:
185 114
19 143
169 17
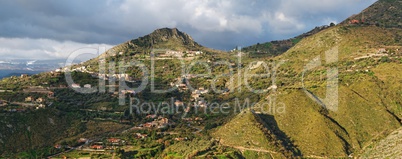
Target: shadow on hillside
272 125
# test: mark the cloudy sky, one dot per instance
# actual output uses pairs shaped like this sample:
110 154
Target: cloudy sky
46 29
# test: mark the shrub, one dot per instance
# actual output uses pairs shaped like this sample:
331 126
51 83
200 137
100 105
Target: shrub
385 59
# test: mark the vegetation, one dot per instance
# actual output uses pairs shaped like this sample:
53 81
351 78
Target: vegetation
292 117
275 48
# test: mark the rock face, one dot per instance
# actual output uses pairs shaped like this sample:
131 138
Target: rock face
166 38
165 34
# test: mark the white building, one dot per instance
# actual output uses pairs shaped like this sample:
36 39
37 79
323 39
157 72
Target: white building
75 86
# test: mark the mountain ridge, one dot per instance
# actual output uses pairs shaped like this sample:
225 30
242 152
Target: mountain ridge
383 13
277 47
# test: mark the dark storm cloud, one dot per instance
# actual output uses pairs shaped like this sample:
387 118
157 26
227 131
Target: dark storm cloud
220 24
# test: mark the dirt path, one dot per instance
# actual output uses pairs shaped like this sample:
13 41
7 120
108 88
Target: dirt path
253 149
241 148
250 149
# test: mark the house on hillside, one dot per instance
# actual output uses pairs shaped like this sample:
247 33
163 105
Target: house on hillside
113 140
195 96
97 147
381 50
57 146
75 86
354 21
141 136
83 140
129 92
58 70
151 116
40 106
163 121
40 100
180 138
28 99
178 103
50 95
183 86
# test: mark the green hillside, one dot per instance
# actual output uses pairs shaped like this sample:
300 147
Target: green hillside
369 96
244 132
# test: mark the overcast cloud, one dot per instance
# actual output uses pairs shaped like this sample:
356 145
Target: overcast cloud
51 29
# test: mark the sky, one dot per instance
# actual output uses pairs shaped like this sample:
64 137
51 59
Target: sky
49 29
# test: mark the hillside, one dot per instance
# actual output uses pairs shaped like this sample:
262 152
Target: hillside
383 13
389 147
277 47
247 134
368 90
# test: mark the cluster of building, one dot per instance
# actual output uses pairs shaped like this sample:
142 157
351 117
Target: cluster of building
196 96
21 105
172 53
30 102
75 85
158 122
116 77
37 103
108 144
193 120
37 100
104 76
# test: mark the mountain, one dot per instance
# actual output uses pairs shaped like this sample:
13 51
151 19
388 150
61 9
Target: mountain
383 13
17 67
164 38
334 92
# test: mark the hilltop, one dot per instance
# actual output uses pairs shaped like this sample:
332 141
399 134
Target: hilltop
383 13
164 38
